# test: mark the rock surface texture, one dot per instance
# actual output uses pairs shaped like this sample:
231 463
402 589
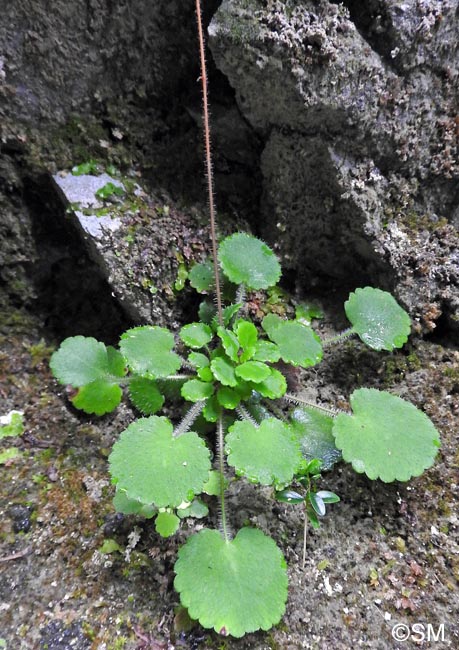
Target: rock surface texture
357 106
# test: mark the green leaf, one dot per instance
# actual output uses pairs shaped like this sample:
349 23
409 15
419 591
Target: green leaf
234 587
206 312
317 503
386 437
205 374
9 454
230 343
312 516
198 360
246 333
378 319
229 312
122 503
166 524
212 487
81 360
195 390
196 509
116 362
266 351
247 260
268 454
306 313
109 190
145 395
154 467
11 424
98 397
328 497
270 323
201 277
315 434
110 546
289 496
253 371
196 335
223 371
89 167
228 397
147 351
298 344
273 386
211 411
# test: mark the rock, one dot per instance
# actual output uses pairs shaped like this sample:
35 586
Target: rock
20 516
139 242
57 636
357 109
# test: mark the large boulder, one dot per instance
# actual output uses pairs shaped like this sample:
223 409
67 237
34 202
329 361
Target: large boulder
357 109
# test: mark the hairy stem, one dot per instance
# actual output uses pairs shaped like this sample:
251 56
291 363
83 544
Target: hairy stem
188 419
339 337
299 400
208 161
221 468
244 414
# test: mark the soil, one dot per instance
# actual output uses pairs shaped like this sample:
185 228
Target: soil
385 555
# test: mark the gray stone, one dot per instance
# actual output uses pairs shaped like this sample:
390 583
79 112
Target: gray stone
358 115
138 242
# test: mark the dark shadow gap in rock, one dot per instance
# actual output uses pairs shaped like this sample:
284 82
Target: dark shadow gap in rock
72 296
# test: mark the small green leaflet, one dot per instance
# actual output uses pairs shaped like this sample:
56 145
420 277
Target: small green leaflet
122 503
315 434
234 587
223 371
98 397
166 524
153 467
378 319
247 260
230 343
268 454
273 386
201 277
11 424
386 437
145 395
196 509
109 190
297 343
195 390
196 335
253 371
147 351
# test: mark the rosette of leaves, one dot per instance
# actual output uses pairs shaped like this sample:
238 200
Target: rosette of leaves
226 370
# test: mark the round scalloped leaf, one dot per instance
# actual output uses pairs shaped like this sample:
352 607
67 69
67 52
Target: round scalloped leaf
154 467
201 277
268 454
196 335
234 587
377 318
386 437
228 397
247 260
147 351
98 397
198 360
266 351
195 390
297 343
274 386
166 524
116 362
315 433
223 371
255 371
247 333
80 360
145 395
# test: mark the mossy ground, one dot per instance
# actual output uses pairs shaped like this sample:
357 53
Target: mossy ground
386 554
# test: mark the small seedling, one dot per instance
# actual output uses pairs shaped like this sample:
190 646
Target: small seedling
228 371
